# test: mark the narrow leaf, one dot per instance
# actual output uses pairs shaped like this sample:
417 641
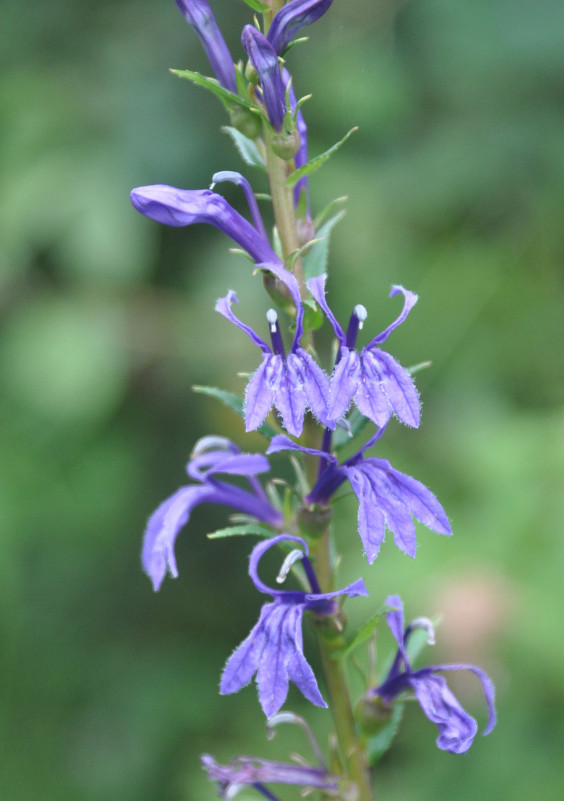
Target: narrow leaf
242 530
256 5
248 151
363 633
236 403
227 98
315 260
377 745
315 163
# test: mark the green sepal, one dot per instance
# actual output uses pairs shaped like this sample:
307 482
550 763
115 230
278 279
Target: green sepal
236 404
357 421
257 5
242 530
248 151
315 260
363 633
225 96
315 163
378 744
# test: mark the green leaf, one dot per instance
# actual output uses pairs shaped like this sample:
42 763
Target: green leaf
328 208
248 151
315 260
227 98
363 633
315 163
256 5
377 745
357 422
242 530
236 403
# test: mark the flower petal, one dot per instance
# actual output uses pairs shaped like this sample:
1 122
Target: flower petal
457 728
291 18
200 17
265 60
259 394
410 299
371 521
344 383
315 383
395 383
290 400
223 306
317 288
243 662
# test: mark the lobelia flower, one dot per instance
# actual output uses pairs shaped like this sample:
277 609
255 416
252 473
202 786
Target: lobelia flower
199 16
265 60
300 157
292 18
252 772
274 650
457 728
378 383
180 207
211 457
387 498
289 382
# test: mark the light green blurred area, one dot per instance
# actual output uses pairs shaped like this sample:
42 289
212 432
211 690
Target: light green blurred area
456 185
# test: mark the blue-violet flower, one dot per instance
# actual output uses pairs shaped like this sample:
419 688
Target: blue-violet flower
387 498
212 456
289 382
274 648
264 59
378 383
291 18
457 728
200 17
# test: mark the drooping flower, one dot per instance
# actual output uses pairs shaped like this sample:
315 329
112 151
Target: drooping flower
291 18
457 728
253 772
387 498
290 381
274 648
180 207
265 60
211 457
378 383
200 17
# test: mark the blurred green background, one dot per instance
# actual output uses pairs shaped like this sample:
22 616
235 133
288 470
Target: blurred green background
456 184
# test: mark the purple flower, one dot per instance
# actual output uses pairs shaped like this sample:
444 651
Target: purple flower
300 157
292 18
379 385
199 16
273 650
387 498
211 457
289 382
252 772
179 207
264 59
456 728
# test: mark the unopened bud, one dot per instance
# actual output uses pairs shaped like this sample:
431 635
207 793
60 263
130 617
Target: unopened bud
286 143
248 123
372 714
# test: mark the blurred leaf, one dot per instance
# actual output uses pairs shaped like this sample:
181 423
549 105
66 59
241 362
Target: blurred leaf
242 530
315 260
236 403
377 745
256 5
211 84
363 633
317 162
357 422
248 150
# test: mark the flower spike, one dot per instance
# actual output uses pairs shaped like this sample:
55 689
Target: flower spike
212 456
199 16
378 383
457 728
274 650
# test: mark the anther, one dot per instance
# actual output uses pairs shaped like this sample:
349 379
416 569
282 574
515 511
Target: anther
272 318
424 623
361 313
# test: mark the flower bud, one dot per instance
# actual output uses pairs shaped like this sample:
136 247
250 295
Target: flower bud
286 143
372 714
246 122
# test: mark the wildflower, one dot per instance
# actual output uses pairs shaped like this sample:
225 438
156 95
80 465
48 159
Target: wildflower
179 207
264 59
457 728
273 650
377 382
252 772
212 456
289 382
292 18
387 498
199 16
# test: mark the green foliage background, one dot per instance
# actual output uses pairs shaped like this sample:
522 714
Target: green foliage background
456 184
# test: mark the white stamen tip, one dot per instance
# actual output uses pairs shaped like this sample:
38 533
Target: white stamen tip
425 623
272 318
361 314
292 557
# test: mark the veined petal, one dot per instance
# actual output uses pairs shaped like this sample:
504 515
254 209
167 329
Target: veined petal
199 16
415 495
240 180
394 383
457 728
265 60
248 771
290 400
179 207
300 157
395 619
299 669
223 306
163 528
272 673
344 383
371 521
243 662
370 396
315 383
259 394
291 18
410 299
487 687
